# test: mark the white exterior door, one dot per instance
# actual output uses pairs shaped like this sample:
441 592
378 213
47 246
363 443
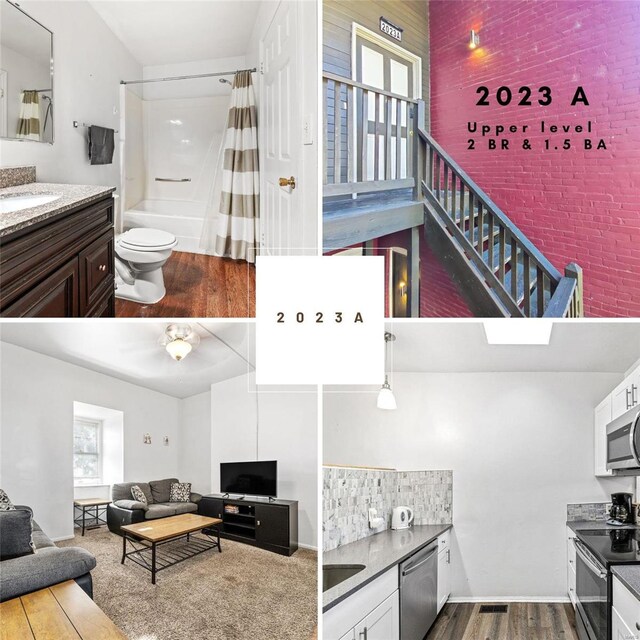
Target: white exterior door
281 121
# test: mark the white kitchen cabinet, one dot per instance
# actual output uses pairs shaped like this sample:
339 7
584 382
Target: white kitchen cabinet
626 395
383 623
602 417
444 569
375 607
571 567
625 613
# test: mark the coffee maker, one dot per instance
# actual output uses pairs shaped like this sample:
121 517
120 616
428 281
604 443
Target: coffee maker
621 511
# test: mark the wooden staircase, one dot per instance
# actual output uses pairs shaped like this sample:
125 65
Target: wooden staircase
499 270
410 180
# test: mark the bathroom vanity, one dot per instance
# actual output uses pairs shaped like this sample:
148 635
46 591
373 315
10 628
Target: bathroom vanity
57 257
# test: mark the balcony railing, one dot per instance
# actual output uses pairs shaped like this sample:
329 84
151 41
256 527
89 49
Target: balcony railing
369 138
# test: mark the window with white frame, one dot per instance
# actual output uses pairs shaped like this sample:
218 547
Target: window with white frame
87 451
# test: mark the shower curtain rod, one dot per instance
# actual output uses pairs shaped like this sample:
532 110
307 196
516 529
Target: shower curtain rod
202 75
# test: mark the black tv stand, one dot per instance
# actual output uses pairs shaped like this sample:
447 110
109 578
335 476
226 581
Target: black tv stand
269 524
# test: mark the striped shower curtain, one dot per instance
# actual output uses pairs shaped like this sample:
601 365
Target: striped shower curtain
238 213
29 121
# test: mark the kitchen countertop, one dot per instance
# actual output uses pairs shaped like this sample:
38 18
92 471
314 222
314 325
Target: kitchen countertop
596 524
71 196
629 576
378 553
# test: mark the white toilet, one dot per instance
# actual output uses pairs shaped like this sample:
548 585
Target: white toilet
140 255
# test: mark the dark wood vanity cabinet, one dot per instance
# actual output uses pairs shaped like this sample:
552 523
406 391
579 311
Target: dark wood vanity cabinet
63 267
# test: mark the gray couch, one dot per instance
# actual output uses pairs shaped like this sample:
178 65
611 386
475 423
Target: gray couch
124 510
49 565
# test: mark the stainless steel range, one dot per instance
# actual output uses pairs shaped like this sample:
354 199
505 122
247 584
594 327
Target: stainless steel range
597 550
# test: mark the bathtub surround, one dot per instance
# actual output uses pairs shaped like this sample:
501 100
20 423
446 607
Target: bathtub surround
15 176
349 493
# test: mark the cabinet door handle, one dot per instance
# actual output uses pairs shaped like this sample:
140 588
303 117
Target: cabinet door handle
102 267
634 399
638 626
363 634
258 523
448 556
626 395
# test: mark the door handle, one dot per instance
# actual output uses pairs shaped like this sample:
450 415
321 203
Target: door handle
287 182
626 394
634 400
102 267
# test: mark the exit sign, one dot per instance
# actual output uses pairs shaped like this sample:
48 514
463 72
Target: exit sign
390 29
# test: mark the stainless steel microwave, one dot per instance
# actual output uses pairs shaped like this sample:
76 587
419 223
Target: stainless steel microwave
623 443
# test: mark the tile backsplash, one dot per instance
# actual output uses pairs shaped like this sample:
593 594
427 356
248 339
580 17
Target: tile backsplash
15 176
349 493
587 511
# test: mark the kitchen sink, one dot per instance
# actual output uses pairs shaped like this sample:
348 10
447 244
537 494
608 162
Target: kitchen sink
333 574
25 201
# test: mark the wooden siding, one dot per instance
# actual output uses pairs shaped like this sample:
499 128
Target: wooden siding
338 19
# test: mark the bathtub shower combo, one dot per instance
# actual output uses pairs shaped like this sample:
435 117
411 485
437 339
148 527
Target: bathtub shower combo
172 132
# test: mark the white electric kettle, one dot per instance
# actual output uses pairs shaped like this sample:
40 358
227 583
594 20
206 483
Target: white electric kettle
402 517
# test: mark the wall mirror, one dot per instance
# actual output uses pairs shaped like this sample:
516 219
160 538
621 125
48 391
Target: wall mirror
26 76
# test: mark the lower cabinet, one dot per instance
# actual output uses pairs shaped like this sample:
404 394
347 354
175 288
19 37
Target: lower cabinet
372 612
625 613
444 569
571 567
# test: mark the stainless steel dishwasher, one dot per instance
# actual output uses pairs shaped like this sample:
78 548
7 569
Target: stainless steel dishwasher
419 593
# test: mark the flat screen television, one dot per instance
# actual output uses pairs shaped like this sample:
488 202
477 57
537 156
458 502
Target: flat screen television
250 478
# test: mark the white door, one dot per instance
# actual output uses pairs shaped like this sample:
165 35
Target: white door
444 577
281 123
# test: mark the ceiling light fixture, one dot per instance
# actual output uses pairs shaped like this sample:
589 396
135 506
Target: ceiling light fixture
179 340
529 331
386 399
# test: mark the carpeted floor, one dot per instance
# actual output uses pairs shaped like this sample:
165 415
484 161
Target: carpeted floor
243 593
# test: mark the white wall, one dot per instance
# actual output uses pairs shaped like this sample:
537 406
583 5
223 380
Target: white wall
194 452
521 448
89 63
36 431
270 425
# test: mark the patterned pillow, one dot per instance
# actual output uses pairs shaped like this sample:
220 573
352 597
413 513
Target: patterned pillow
5 503
180 492
138 494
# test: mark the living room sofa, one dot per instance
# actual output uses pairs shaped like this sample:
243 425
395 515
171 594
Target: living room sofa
49 564
125 510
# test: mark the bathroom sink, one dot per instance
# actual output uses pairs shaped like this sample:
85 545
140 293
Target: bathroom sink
24 201
334 574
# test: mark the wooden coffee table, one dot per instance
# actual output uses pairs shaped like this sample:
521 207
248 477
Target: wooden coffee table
148 538
63 611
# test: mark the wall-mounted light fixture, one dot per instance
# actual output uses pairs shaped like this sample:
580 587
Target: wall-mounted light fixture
474 40
386 399
403 288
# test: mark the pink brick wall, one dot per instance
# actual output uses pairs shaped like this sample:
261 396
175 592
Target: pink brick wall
575 205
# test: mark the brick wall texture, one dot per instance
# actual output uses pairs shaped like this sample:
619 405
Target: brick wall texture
575 205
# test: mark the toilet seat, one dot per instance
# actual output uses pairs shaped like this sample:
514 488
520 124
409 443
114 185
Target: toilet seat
143 239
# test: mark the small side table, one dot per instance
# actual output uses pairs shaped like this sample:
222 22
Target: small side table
93 508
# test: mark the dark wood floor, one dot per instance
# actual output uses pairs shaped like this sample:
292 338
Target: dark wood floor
200 287
523 621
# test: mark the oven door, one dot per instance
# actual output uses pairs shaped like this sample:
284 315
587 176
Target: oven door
591 593
623 441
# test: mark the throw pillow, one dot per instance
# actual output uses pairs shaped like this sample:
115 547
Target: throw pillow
180 492
138 494
5 503
16 540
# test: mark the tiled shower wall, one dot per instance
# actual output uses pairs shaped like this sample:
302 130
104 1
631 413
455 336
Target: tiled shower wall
348 494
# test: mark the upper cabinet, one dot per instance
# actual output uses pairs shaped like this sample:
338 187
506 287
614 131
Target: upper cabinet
26 76
626 396
601 420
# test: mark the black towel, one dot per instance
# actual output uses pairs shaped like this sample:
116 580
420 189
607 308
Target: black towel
101 145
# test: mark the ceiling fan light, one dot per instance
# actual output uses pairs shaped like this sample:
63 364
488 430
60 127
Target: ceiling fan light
178 349
386 399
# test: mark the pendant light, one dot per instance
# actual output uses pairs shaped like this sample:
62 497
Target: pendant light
386 399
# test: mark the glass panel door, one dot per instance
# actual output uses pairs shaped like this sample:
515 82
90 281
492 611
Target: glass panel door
387 71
